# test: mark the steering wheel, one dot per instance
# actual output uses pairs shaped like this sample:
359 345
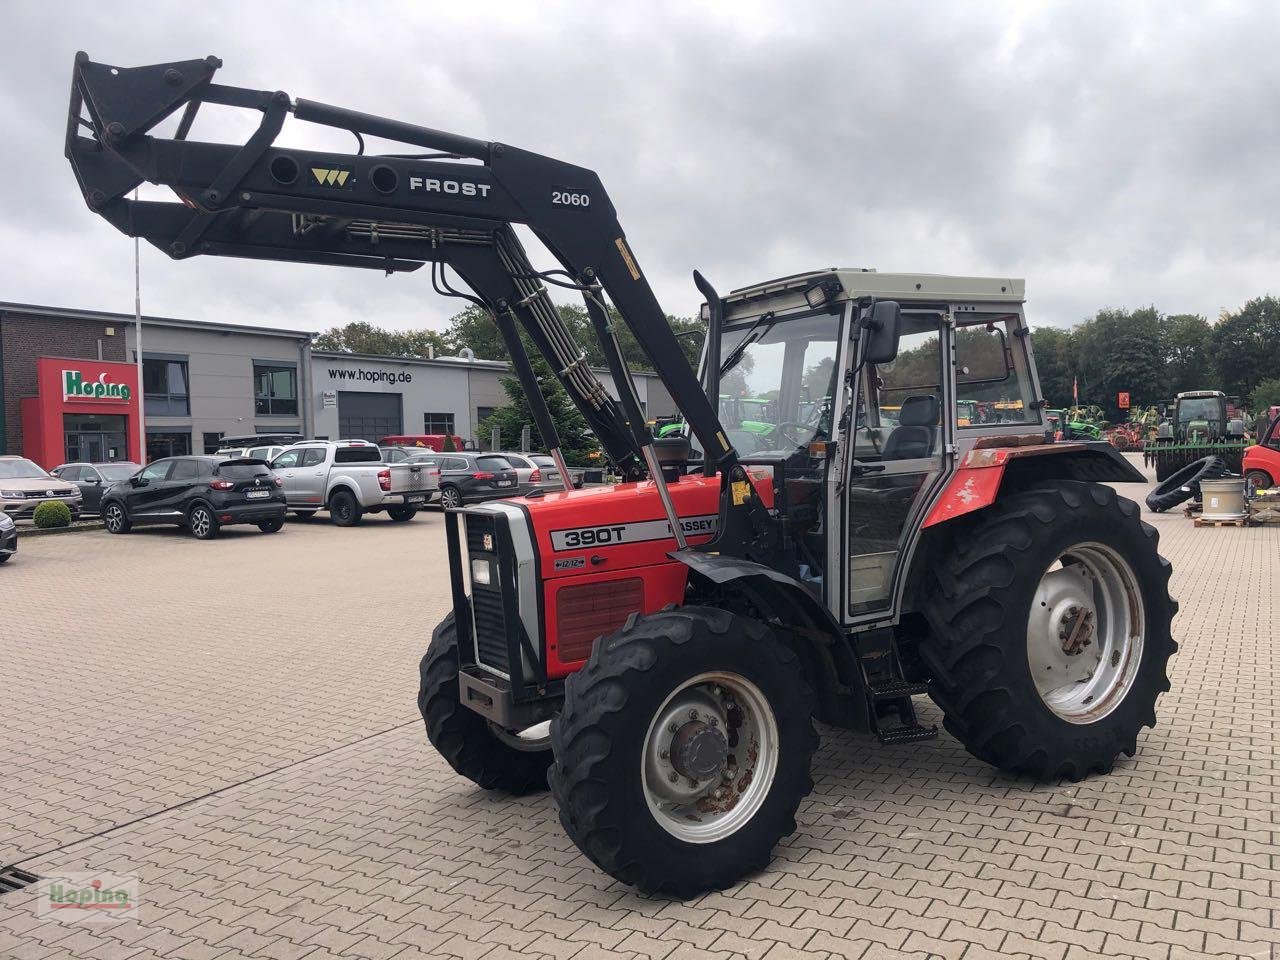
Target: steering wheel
782 430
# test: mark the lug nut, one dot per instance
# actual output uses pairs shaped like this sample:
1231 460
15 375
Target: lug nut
673 776
712 721
664 755
672 727
693 782
693 714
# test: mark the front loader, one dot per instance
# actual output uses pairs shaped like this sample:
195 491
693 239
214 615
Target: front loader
659 650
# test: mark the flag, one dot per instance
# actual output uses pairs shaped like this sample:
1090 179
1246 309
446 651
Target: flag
1075 390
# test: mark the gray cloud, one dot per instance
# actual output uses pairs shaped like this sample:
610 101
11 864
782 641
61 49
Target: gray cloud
1112 154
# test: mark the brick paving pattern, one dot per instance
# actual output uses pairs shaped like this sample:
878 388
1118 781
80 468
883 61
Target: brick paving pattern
234 723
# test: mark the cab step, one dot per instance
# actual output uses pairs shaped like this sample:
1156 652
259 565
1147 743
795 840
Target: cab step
906 734
893 689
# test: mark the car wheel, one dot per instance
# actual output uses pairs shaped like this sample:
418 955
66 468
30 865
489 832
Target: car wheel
1259 480
202 523
450 498
401 514
115 519
345 509
4 558
271 526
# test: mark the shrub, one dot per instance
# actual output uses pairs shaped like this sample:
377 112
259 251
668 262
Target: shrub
448 446
52 513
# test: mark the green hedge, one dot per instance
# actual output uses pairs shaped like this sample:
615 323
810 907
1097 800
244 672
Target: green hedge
52 513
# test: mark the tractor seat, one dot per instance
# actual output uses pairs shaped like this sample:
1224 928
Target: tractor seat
917 430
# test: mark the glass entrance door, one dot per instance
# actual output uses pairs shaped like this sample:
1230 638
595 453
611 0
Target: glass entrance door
91 438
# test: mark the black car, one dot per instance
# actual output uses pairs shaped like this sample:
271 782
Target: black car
473 477
93 479
8 537
202 494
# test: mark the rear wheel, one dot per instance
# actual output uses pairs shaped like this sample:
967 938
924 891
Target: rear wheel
202 523
344 508
270 526
1050 618
1259 479
304 514
115 519
401 514
682 752
483 753
450 497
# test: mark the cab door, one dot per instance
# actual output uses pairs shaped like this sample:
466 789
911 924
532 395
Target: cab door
286 467
900 450
147 490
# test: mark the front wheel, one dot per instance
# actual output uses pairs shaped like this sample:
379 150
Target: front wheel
485 754
682 752
1050 615
401 514
344 508
115 519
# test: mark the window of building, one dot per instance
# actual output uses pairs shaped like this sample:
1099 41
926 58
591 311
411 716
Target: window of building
483 414
213 442
165 385
163 443
437 423
275 389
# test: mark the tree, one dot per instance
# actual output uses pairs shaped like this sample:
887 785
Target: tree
1187 339
1053 350
1119 351
1265 396
577 443
1246 346
362 337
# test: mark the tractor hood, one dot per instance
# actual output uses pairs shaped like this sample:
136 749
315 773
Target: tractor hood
601 529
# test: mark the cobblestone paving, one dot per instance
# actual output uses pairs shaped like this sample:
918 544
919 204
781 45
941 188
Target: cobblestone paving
233 722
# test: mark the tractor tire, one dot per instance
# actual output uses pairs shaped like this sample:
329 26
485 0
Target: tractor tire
1185 483
1027 587
489 758
716 709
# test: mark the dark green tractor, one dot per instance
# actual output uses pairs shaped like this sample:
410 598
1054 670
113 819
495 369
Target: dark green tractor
1197 425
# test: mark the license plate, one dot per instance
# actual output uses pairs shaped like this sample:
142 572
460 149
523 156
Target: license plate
416 498
505 483
257 494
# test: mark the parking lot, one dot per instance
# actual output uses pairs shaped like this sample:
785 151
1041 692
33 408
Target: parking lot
234 722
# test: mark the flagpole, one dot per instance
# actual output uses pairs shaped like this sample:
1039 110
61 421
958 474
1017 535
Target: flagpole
137 336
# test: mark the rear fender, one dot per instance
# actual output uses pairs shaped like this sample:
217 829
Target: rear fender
829 659
985 472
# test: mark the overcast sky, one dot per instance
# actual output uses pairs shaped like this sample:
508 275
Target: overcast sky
1112 154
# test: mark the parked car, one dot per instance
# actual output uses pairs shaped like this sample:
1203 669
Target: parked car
25 485
8 537
473 477
548 478
405 454
202 493
349 479
93 479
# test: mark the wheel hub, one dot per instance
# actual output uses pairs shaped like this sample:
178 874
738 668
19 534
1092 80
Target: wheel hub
699 751
1075 628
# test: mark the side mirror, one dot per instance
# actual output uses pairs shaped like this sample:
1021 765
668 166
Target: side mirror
881 329
137 481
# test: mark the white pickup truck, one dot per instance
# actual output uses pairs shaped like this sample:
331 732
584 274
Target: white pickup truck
349 479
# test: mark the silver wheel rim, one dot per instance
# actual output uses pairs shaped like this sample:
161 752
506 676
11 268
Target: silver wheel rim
113 517
1085 633
683 734
200 522
535 739
450 498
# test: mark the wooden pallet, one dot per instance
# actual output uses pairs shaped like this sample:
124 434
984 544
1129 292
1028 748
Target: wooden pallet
1192 509
1237 522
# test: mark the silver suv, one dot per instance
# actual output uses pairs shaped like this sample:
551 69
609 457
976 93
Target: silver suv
25 485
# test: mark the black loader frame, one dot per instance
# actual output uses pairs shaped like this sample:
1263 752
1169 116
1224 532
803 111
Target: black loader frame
452 206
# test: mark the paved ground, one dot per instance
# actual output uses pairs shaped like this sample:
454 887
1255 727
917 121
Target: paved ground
234 722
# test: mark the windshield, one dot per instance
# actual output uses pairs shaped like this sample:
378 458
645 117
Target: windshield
1199 408
776 391
117 471
20 469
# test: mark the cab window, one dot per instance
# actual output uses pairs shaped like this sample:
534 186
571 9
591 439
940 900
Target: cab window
312 456
286 460
993 382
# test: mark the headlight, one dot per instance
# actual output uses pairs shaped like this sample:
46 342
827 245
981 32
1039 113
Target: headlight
6 522
13 494
480 571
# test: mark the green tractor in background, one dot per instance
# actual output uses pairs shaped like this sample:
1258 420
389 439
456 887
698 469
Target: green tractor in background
1076 423
1198 423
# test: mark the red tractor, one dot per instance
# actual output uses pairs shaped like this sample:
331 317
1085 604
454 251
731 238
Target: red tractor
660 650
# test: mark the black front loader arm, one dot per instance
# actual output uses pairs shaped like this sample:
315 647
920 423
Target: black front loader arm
454 205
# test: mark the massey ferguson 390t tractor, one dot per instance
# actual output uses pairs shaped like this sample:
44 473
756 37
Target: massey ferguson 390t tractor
682 632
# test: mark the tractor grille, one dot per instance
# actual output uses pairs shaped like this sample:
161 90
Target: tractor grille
487 602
